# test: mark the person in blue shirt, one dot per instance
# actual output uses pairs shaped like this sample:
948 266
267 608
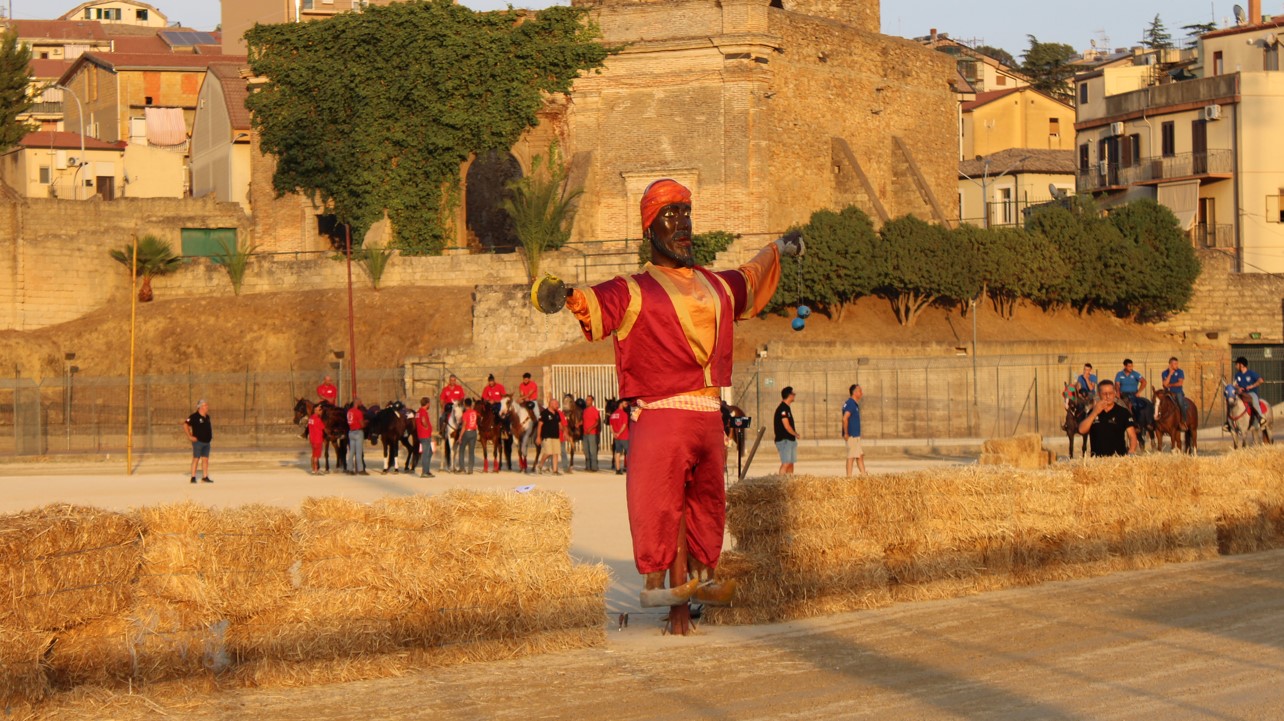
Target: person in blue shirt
1129 381
1174 381
1248 381
851 428
1086 383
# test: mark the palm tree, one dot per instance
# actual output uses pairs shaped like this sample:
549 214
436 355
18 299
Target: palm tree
540 207
155 257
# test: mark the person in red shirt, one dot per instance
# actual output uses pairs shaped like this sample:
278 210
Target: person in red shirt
356 439
316 437
493 394
423 430
468 437
528 391
591 417
619 421
452 394
328 392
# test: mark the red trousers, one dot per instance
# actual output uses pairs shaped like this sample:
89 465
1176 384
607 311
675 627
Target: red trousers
676 459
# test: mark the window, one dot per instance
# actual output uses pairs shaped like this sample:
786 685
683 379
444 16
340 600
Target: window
1217 63
141 15
1000 79
1083 93
1005 209
1135 142
1083 157
89 14
1054 126
1271 57
1169 134
45 176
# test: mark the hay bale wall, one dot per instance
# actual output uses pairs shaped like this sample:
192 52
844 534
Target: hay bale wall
806 546
256 594
1024 451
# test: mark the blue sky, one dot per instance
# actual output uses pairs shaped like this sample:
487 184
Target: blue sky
1002 23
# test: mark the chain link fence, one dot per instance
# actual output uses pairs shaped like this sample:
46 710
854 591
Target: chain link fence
905 398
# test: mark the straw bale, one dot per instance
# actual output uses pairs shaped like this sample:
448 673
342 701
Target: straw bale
22 672
64 565
156 639
174 552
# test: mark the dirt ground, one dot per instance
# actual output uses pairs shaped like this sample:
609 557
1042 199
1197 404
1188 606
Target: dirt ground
1193 641
279 331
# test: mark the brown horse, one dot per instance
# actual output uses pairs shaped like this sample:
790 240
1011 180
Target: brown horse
574 429
335 423
1168 422
491 427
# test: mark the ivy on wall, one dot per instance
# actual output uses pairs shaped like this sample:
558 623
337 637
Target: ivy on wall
374 112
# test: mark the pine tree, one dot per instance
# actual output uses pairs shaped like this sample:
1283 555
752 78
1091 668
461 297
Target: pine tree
1156 36
15 59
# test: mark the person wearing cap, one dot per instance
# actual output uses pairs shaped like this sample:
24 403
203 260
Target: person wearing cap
201 434
672 325
787 434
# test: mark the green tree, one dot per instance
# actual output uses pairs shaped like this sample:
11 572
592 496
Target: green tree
1047 65
840 266
1098 263
999 54
155 257
373 112
235 259
15 57
1163 279
1011 264
1156 36
542 207
923 265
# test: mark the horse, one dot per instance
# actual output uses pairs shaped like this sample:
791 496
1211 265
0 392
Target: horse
574 414
392 425
1078 401
335 423
1168 422
491 423
1240 421
522 422
1143 414
451 415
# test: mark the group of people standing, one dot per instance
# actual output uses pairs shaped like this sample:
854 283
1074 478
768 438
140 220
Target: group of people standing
1110 425
787 434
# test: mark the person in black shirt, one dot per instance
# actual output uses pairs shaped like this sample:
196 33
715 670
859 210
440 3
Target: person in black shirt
786 434
1110 426
549 432
200 433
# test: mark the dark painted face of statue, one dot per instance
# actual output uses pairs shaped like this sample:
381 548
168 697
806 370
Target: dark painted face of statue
670 235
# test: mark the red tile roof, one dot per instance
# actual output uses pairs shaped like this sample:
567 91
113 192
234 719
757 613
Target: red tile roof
59 29
46 69
139 44
235 91
987 97
64 140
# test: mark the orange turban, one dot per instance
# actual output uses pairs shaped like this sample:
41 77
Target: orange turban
659 194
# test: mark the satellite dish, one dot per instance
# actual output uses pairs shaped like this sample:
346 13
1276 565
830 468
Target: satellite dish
1057 193
1240 18
1092 44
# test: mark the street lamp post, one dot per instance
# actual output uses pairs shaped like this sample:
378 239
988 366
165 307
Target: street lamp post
80 162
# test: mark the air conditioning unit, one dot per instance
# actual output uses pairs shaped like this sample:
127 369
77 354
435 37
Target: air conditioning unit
1212 112
73 161
1103 167
1116 128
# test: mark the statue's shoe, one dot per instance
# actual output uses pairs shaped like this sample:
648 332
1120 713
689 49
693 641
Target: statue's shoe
715 593
676 596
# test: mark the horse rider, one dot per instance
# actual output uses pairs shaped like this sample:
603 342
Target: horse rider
528 393
1174 380
1248 381
493 394
452 394
1130 383
1086 383
327 392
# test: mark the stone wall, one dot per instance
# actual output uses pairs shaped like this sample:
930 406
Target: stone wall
57 266
1232 305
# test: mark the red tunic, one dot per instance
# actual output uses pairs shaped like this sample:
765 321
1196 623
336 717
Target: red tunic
592 418
494 393
528 390
423 423
452 394
327 392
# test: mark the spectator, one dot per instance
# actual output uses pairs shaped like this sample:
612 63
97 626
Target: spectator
851 428
201 434
549 432
356 439
316 437
619 421
468 437
423 430
1110 427
787 436
592 419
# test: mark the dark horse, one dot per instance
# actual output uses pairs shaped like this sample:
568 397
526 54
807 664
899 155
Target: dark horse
335 423
573 411
492 426
1168 419
1078 401
392 425
1143 414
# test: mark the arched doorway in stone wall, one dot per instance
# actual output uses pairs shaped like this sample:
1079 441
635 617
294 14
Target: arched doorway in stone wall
486 181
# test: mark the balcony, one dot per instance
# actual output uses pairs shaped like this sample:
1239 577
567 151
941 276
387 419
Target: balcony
1214 236
1151 99
1214 164
46 108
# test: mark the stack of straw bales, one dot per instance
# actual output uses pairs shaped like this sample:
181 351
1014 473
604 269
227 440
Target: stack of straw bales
265 595
1024 451
808 546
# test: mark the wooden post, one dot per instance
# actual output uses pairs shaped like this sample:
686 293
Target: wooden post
680 615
